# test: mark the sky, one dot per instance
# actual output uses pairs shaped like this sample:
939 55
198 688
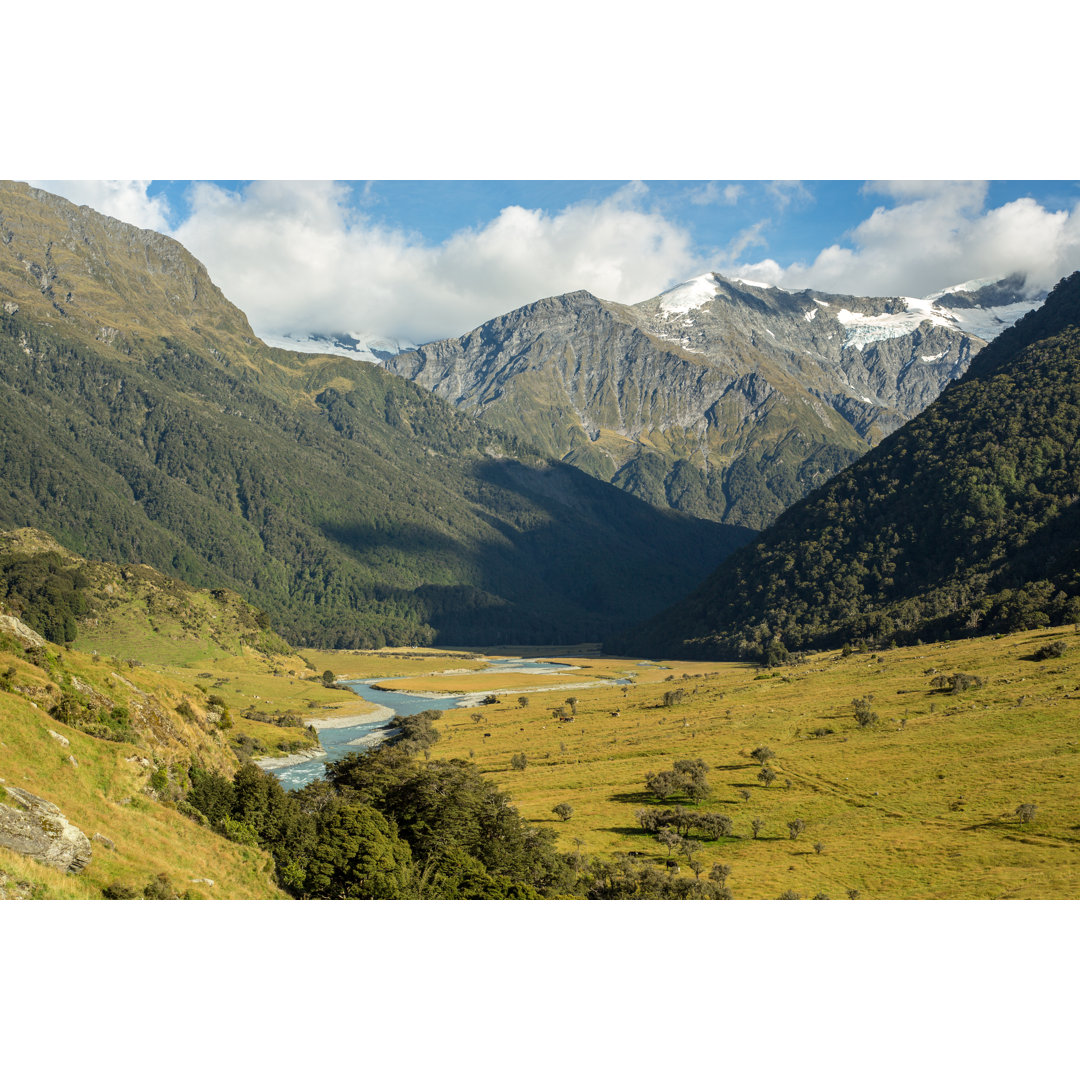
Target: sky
414 261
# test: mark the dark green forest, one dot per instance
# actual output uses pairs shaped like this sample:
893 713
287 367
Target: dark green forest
966 520
353 507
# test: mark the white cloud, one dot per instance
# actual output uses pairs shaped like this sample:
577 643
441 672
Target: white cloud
293 256
712 193
126 200
938 234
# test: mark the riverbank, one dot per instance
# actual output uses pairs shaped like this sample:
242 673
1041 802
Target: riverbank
326 723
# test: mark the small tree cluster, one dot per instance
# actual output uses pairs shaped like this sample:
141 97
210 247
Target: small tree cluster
681 821
519 762
673 697
956 683
686 778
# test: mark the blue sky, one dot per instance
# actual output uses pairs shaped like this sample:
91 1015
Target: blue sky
417 260
817 214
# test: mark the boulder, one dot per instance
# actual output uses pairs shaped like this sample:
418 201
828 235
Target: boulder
37 828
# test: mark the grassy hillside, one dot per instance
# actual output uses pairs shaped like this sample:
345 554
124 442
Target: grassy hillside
965 520
111 749
919 803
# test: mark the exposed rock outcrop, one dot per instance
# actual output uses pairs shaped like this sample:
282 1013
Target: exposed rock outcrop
37 828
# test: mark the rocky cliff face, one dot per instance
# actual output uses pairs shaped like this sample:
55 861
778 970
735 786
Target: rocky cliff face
726 399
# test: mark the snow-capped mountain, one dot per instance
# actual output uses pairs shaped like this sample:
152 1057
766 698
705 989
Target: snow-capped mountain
727 399
357 346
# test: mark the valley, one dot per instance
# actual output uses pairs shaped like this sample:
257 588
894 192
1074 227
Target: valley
284 624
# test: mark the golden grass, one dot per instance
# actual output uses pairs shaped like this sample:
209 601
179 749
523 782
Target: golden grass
924 810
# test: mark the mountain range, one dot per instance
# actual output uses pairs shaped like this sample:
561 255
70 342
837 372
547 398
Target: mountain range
966 520
727 399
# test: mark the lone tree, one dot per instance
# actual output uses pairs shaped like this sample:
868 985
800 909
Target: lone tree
564 811
1026 812
523 702
519 761
328 678
796 828
863 715
766 776
745 794
756 826
762 754
572 702
476 717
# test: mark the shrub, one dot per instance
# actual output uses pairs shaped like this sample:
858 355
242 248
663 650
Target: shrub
1026 812
790 894
796 828
1051 651
564 811
116 891
863 715
160 888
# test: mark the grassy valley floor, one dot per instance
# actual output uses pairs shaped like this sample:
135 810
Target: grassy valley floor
920 803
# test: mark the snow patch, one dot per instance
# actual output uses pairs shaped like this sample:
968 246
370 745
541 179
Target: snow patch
809 315
689 295
987 323
823 303
753 284
931 359
974 285
863 330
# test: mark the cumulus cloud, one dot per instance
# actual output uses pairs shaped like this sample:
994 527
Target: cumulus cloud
295 256
126 200
938 234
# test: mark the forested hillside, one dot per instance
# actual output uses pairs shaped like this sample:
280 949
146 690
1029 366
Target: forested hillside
142 422
965 520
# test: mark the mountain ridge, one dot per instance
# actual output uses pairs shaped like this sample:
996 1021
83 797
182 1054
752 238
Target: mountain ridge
725 399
